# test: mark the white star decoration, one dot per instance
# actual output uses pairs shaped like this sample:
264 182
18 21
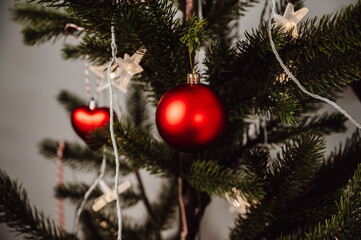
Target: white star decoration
290 19
109 195
121 71
239 204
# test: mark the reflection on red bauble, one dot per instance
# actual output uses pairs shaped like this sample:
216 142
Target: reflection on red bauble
86 120
190 117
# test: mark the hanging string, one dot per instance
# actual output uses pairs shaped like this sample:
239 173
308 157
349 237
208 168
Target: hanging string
294 79
90 190
116 155
184 230
72 25
87 82
59 175
263 124
86 77
86 64
189 9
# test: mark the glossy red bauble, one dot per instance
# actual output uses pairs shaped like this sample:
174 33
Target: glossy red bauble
190 117
85 120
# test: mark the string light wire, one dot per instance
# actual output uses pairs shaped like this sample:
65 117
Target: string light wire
116 155
200 10
294 79
90 190
59 174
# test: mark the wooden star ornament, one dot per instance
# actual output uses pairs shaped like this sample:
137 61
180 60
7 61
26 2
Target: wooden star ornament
121 71
290 19
109 195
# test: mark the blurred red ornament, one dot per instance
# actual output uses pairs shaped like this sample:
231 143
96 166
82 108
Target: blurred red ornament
190 117
86 119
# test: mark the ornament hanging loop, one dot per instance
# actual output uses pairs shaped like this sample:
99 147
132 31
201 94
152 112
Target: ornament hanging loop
193 78
92 104
113 44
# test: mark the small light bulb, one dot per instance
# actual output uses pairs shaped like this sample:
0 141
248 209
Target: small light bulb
236 204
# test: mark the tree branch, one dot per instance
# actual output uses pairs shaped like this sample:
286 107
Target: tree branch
147 204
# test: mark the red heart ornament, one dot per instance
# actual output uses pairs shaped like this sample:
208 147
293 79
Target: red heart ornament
85 120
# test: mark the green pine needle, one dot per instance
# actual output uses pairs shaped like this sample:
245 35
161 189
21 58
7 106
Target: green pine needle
18 214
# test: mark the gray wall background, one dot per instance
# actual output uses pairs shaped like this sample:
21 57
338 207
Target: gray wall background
31 77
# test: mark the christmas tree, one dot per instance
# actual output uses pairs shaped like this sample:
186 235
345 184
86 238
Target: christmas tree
270 157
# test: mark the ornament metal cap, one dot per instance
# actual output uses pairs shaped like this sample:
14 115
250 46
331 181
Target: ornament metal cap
92 104
193 78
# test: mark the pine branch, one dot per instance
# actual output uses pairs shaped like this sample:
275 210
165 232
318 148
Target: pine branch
69 101
101 225
255 96
91 228
215 180
326 56
138 108
296 166
316 60
162 30
340 165
16 212
318 201
38 35
256 160
283 107
52 3
282 4
132 231
75 193
41 24
222 16
344 223
324 124
81 157
34 14
100 49
141 149
165 206
108 223
291 173
331 59
165 209
151 214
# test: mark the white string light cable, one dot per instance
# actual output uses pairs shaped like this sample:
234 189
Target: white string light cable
90 190
59 176
294 79
116 155
263 124
200 11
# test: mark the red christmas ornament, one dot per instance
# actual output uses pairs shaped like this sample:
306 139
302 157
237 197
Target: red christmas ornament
190 117
86 119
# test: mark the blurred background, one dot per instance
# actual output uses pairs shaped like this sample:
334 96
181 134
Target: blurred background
30 79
